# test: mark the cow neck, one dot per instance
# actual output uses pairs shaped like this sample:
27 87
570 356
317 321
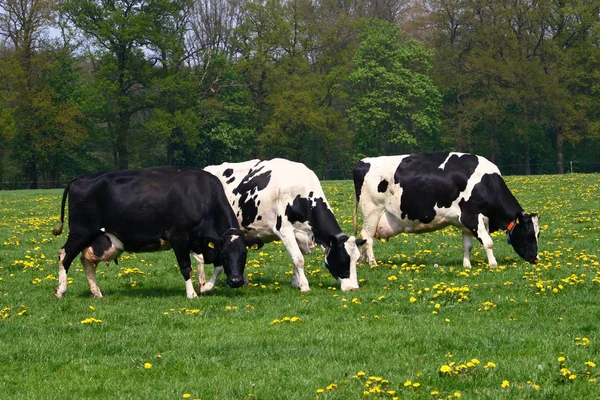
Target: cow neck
504 207
506 215
324 223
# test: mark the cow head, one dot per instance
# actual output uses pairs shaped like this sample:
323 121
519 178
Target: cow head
523 235
232 253
341 254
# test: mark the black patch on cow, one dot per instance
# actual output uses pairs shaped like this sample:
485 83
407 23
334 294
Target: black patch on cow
299 210
230 180
248 189
425 185
100 245
383 185
259 218
358 175
311 194
278 224
228 172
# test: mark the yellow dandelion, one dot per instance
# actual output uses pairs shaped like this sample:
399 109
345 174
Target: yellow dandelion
445 369
147 365
505 383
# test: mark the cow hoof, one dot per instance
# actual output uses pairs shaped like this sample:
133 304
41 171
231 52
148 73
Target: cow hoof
59 295
206 288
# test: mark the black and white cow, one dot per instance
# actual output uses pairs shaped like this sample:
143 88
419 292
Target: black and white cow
417 193
283 200
146 210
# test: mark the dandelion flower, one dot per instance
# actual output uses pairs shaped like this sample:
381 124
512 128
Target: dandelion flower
147 365
505 383
445 369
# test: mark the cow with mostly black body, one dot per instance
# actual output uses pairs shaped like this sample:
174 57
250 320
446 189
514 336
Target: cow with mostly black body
283 200
417 193
150 209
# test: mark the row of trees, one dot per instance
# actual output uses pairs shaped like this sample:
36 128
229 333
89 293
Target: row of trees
97 85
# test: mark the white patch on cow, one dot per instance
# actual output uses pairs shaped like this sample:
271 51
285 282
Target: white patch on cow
486 239
351 248
443 165
234 238
536 227
89 268
117 244
304 237
467 240
189 289
62 275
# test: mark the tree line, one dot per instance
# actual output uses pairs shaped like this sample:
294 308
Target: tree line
99 85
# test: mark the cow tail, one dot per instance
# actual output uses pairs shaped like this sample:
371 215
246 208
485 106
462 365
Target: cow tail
355 218
58 229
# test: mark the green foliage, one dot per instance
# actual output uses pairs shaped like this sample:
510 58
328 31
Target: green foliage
138 83
395 105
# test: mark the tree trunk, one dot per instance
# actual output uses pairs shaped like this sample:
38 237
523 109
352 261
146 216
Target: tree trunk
121 143
559 153
527 160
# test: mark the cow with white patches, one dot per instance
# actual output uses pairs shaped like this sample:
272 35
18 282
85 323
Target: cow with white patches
283 200
417 193
151 209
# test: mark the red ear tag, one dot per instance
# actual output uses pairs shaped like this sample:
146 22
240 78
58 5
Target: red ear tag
510 226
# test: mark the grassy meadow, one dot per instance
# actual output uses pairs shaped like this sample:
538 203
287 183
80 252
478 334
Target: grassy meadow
420 327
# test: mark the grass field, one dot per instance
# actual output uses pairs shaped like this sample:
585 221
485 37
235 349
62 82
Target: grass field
414 330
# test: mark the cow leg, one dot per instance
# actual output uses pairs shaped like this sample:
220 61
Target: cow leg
66 255
204 286
486 240
62 275
467 240
210 285
200 267
185 267
368 232
90 263
289 241
366 251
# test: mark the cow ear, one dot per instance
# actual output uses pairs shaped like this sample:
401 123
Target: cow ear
331 241
254 244
360 242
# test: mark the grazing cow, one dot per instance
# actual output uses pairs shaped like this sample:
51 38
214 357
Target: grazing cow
146 210
283 200
417 193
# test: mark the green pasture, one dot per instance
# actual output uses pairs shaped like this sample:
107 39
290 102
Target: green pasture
420 327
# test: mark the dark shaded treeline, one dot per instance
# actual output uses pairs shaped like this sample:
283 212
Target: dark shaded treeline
103 85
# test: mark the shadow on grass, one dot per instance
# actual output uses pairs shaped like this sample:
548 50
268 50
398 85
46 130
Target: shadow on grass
158 292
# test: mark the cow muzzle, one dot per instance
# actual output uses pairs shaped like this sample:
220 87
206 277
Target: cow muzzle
235 281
